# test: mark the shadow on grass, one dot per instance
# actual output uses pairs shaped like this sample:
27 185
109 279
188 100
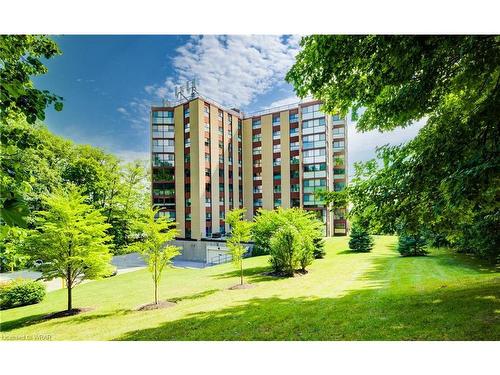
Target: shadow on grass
194 296
89 317
252 275
351 252
372 312
444 314
21 322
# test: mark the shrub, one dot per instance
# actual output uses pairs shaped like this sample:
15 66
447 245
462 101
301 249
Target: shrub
283 250
20 292
412 245
360 240
319 248
268 222
305 252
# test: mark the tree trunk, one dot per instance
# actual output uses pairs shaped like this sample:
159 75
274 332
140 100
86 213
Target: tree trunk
70 302
241 270
156 286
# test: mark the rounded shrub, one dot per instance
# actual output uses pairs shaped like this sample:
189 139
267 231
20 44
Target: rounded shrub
20 292
412 245
360 240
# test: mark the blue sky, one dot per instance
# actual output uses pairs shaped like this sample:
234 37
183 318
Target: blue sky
109 82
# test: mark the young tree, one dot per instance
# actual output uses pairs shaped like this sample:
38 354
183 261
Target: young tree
240 232
70 238
412 245
153 246
360 240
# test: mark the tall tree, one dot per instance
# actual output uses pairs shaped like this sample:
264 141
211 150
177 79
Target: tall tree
20 59
70 239
156 233
446 180
240 233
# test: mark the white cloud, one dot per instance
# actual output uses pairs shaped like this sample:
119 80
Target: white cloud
362 146
232 69
122 110
282 102
138 113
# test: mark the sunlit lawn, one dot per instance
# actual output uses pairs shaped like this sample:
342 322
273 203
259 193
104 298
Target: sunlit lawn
373 296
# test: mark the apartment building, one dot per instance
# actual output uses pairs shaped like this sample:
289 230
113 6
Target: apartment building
207 160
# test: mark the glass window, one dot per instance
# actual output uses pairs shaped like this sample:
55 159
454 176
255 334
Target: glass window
256 123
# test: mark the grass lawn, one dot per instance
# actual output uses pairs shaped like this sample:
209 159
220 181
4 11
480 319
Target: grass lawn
374 296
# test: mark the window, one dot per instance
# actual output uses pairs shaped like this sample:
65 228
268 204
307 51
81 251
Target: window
257 150
256 123
277 175
163 131
277 202
276 119
311 111
257 163
276 162
293 117
163 160
163 145
187 127
294 160
314 126
208 216
163 117
336 118
338 131
339 186
338 144
294 146
257 189
186 112
315 167
313 141
206 110
294 174
207 172
256 137
276 148
257 202
257 176
277 189
295 188
294 132
276 134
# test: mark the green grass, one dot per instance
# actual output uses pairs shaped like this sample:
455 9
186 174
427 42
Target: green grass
346 296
